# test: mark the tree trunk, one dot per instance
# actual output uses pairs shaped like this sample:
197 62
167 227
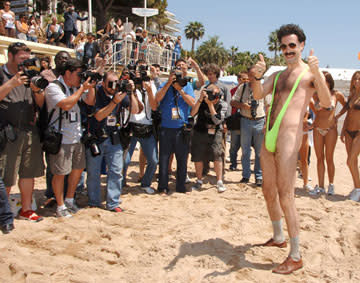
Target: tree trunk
193 45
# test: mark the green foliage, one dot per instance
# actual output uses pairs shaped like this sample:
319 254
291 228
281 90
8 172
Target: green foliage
274 45
212 51
194 31
160 19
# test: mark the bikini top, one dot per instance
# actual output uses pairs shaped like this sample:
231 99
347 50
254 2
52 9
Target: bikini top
272 135
318 106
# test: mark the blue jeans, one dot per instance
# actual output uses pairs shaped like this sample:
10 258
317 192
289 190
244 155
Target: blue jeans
234 148
172 141
251 130
150 150
6 216
114 160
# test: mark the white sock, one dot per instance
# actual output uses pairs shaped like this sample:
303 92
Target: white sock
61 207
294 248
278 231
220 182
69 200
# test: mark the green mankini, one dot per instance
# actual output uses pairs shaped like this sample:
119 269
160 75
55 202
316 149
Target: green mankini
272 135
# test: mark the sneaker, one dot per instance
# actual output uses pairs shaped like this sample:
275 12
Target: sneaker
117 209
72 207
331 189
63 213
148 190
197 186
220 186
187 180
227 160
232 168
244 180
258 182
30 215
308 188
316 191
355 195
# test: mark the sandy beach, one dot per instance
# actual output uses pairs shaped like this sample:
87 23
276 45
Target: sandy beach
198 237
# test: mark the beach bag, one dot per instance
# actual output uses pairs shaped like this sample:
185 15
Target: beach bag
233 122
52 136
141 131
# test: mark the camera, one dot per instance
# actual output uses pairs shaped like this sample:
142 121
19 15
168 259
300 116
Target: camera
121 86
138 79
31 69
180 79
211 95
253 107
90 142
95 77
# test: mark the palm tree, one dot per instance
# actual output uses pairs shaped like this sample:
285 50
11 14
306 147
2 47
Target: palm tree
161 18
212 51
273 44
194 31
232 54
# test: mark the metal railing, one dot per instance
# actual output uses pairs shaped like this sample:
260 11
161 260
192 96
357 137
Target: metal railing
126 52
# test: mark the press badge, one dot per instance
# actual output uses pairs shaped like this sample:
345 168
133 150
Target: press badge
73 117
211 131
111 121
175 113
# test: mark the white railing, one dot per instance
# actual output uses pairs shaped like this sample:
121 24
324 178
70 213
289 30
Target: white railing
126 52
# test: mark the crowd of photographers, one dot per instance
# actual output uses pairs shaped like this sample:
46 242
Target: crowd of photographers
83 119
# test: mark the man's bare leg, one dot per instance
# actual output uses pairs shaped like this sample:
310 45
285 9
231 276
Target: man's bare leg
26 186
198 169
270 192
286 174
142 163
73 181
218 167
58 188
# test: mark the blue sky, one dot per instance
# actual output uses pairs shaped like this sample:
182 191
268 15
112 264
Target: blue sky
332 27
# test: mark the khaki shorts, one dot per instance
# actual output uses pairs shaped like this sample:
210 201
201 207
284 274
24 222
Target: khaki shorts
70 156
22 157
206 147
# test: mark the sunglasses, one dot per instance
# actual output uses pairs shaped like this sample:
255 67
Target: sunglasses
284 46
16 44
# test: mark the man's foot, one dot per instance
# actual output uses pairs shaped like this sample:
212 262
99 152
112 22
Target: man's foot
117 209
355 195
148 190
232 168
164 192
317 190
220 186
258 182
7 228
63 213
272 243
331 190
72 207
50 202
288 266
244 180
139 179
30 215
197 186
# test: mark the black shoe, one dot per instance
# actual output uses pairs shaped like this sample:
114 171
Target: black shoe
244 180
258 182
232 168
7 228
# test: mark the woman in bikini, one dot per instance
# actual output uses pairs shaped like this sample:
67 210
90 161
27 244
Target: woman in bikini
351 133
325 136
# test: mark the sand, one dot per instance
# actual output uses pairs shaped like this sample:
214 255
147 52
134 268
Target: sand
199 237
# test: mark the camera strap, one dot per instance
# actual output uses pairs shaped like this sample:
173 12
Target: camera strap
243 90
176 101
143 98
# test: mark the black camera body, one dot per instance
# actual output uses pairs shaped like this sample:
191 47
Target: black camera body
180 79
142 69
121 86
89 141
211 95
31 69
94 77
253 107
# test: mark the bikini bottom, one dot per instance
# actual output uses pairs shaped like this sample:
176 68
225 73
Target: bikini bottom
353 134
323 131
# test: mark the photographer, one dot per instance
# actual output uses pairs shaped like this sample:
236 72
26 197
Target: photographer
207 137
18 102
142 128
251 127
176 97
104 138
63 95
